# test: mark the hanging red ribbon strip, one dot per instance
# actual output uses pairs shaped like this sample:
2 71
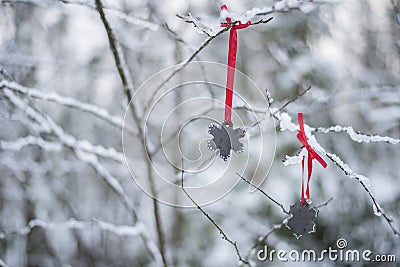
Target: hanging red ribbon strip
231 64
301 135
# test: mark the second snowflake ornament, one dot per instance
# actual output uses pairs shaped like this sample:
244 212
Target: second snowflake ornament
302 219
302 215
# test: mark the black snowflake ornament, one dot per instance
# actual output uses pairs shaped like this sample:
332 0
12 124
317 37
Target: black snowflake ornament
225 138
302 219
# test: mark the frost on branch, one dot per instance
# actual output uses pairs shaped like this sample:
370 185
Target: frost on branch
119 230
359 137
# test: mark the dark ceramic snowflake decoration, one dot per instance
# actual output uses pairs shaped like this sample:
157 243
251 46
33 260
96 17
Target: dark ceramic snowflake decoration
302 219
225 138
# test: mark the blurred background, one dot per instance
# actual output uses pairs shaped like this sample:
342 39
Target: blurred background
65 201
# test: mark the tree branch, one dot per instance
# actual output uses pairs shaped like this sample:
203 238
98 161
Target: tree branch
264 193
292 100
128 89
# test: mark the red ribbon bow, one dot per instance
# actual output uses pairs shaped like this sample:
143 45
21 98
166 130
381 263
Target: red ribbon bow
231 64
301 135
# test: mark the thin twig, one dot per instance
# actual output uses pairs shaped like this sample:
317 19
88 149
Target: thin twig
358 136
292 100
264 193
222 233
324 204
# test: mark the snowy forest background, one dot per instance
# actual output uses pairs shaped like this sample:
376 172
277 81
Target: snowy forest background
67 198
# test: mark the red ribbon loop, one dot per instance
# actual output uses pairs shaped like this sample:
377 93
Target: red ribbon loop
231 64
301 135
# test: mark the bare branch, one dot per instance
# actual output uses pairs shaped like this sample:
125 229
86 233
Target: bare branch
324 204
19 143
264 193
293 100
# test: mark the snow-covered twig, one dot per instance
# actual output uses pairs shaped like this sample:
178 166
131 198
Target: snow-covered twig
357 136
204 28
324 204
119 230
304 6
293 100
211 27
65 101
18 144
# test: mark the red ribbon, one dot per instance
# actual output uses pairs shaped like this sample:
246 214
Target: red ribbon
231 64
301 135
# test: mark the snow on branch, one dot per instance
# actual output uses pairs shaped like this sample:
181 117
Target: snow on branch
83 149
357 136
65 101
19 143
118 54
111 9
304 6
68 140
211 27
119 230
208 27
